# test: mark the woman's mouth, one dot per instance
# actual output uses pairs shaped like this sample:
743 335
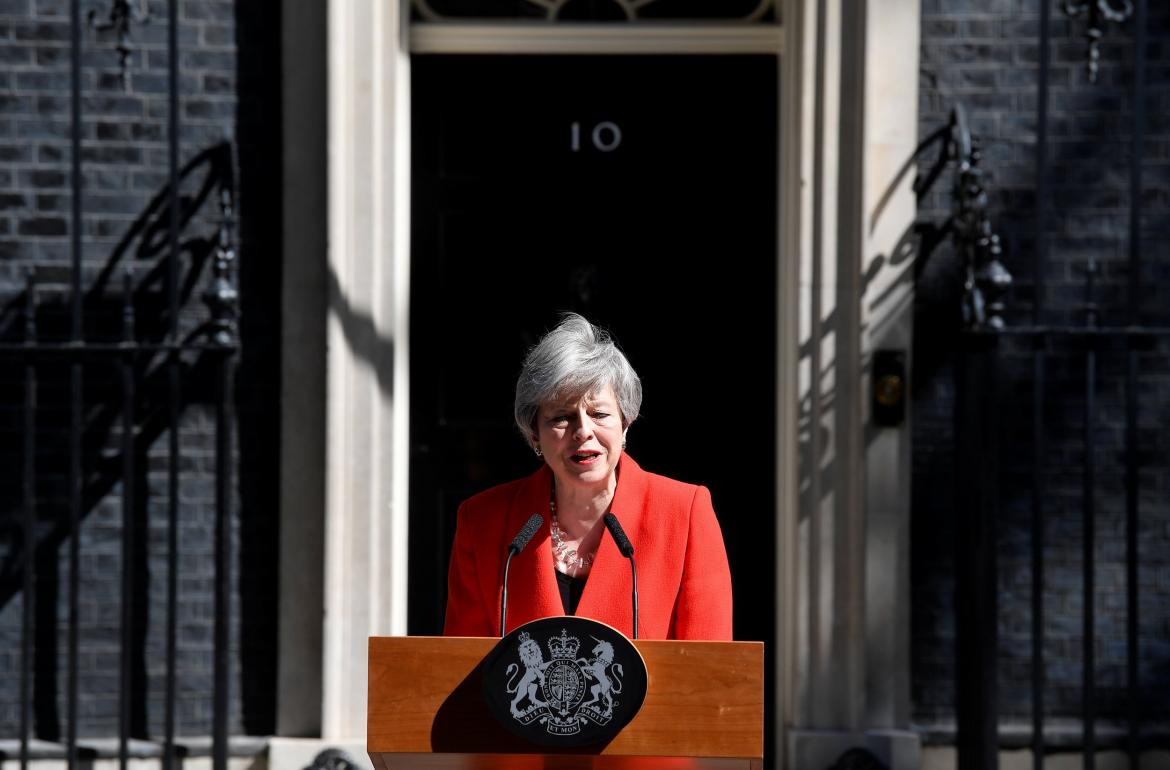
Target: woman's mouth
585 457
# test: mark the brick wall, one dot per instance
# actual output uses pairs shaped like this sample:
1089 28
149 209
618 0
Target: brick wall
984 55
229 88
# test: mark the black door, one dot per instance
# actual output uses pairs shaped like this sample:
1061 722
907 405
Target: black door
640 192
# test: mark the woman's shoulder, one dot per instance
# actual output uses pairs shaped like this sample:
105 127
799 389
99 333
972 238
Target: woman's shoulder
493 497
501 495
663 487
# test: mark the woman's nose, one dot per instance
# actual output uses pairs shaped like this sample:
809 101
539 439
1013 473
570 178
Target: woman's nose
583 430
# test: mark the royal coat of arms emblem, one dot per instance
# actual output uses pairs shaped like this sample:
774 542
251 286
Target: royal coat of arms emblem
577 687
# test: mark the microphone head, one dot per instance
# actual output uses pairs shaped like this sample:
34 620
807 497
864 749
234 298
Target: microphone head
619 535
520 542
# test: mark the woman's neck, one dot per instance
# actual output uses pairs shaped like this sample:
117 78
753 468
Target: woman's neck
580 508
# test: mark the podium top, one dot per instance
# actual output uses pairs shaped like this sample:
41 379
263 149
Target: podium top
704 708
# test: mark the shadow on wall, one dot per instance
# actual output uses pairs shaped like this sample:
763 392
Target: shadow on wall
365 341
908 259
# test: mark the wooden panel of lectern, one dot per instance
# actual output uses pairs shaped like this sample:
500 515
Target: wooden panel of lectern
704 709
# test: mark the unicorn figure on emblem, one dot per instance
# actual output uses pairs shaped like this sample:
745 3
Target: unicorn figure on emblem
601 669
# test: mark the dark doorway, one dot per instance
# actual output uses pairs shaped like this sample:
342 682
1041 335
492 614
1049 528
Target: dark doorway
639 191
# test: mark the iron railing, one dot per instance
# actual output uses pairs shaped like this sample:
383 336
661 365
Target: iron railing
979 402
155 364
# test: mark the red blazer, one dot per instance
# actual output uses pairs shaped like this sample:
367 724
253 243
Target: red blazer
684 585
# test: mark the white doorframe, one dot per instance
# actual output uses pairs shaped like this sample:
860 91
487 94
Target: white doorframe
793 200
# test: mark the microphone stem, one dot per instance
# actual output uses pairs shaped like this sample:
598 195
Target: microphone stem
634 591
504 597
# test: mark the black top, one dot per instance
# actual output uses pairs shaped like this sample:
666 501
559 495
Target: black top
571 588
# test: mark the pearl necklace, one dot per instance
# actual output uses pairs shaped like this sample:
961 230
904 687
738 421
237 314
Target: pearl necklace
561 550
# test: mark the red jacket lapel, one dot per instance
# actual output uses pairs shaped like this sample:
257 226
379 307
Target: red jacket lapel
607 593
532 583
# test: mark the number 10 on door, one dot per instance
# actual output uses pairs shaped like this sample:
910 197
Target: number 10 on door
605 136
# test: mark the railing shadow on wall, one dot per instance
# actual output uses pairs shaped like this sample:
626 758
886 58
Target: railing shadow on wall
981 277
89 409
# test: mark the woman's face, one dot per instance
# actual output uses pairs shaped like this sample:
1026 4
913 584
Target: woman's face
582 440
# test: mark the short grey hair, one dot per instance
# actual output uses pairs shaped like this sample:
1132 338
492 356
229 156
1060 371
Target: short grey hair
573 360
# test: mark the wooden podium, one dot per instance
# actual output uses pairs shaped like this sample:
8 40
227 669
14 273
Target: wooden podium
704 709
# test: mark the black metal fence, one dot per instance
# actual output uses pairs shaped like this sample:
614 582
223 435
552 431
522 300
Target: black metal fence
106 362
1111 354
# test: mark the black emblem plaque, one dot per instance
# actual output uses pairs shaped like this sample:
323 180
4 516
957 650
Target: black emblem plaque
564 681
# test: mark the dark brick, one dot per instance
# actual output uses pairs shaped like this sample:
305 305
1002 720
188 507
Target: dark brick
218 35
107 131
209 109
43 226
209 60
12 201
14 7
50 57
47 8
105 179
145 83
96 203
148 180
110 81
14 56
985 27
112 154
10 153
968 78
50 153
128 106
939 29
147 131
214 83
52 104
42 80
42 32
210 10
43 128
47 179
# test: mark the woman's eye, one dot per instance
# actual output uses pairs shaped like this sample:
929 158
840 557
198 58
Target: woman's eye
600 415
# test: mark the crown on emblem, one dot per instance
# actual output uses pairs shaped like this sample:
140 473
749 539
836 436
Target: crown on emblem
563 646
524 637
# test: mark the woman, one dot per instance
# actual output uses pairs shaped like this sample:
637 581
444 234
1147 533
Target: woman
575 400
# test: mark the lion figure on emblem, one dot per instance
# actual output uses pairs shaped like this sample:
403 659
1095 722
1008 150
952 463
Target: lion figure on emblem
533 679
601 669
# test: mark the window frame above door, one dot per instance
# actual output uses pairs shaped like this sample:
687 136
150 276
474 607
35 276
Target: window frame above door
573 38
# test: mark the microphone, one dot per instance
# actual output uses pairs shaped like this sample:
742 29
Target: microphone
518 544
627 549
